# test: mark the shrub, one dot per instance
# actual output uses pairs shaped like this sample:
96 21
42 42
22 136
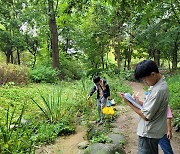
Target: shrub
43 74
70 68
13 73
174 88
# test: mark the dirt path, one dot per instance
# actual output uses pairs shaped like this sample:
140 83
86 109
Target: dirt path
66 145
128 122
128 125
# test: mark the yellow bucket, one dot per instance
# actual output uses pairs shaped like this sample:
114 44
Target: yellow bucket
108 110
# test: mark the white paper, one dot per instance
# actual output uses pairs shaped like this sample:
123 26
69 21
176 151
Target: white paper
132 100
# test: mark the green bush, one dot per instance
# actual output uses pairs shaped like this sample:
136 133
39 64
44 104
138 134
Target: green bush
174 88
14 74
71 68
43 74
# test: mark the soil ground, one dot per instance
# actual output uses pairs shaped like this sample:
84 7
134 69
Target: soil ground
65 145
127 123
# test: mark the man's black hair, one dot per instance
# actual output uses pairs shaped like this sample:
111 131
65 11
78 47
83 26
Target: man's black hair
96 79
145 68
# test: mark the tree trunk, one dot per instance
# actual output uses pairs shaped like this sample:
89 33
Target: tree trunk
54 35
107 61
125 64
102 56
18 58
34 62
67 45
129 57
175 54
174 59
12 58
169 64
9 56
102 59
156 55
118 52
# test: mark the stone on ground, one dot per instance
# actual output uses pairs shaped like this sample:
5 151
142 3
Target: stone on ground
100 148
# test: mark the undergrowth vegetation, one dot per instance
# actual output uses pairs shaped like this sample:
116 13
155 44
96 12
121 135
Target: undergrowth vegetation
14 74
174 88
49 110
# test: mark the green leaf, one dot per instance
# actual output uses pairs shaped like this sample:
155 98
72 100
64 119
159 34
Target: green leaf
2 27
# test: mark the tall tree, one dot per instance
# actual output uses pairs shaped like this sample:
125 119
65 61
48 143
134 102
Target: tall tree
158 32
54 33
10 16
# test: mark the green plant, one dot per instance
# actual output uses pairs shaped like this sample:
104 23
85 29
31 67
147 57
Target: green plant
174 88
102 138
43 74
71 67
14 137
51 105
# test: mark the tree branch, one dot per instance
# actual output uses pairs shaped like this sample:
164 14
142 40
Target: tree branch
56 6
173 10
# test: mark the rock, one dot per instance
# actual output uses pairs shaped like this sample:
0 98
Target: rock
100 148
116 130
117 139
83 145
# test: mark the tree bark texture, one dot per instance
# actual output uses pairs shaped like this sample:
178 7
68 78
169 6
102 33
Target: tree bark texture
118 52
18 58
156 55
54 35
175 54
9 56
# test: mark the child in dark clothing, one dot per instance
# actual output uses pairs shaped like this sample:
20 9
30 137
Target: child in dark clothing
103 93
